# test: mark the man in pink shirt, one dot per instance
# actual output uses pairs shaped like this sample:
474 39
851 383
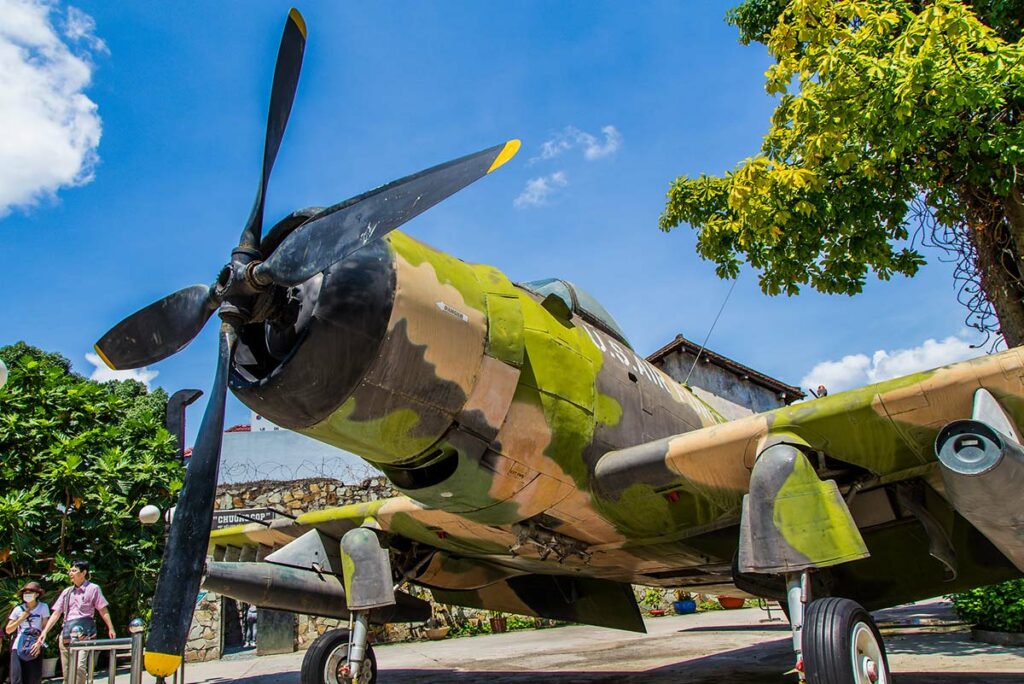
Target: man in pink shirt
78 604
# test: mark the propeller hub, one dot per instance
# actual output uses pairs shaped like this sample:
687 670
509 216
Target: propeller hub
236 287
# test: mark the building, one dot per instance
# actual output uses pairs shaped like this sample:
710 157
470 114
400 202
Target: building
264 451
729 387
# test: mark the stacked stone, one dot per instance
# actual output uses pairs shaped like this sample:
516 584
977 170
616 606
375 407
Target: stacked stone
294 498
204 635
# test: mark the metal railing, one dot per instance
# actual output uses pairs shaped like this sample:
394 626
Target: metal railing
131 645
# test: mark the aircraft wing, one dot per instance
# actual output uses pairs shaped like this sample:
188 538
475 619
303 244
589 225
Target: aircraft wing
887 429
462 562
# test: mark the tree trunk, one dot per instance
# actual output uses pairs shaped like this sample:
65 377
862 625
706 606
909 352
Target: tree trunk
1013 206
996 229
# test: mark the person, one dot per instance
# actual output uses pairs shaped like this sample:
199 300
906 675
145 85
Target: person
250 626
79 604
27 620
822 392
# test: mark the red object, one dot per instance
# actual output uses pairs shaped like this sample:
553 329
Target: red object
441 534
672 496
657 612
730 602
239 428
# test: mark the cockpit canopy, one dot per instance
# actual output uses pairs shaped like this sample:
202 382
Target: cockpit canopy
580 303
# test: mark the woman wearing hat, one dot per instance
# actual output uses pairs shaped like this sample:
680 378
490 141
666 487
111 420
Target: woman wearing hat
26 622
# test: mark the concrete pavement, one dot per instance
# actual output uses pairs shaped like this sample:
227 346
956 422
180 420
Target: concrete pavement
721 646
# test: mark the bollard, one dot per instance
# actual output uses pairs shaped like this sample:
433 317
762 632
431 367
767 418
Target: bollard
137 628
76 635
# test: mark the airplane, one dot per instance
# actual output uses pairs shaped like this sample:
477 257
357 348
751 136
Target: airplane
544 465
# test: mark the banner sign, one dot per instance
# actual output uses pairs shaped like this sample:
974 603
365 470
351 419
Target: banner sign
242 516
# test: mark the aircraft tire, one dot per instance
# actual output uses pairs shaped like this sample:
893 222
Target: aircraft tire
842 645
327 654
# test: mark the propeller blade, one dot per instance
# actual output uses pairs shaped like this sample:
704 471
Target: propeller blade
189 536
157 331
340 230
282 94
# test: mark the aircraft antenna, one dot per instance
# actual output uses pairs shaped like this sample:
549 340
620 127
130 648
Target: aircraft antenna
710 330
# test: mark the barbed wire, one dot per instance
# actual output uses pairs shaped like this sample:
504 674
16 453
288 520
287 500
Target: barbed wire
334 469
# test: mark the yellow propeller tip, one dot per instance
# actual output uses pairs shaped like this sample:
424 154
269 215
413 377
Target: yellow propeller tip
507 152
161 664
300 23
99 353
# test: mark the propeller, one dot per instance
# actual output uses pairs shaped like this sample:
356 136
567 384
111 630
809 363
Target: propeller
243 293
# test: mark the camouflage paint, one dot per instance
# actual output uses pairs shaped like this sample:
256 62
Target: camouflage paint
492 410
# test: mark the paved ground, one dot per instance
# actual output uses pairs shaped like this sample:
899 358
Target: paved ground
721 646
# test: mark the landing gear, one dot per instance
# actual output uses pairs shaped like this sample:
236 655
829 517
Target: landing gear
326 661
841 644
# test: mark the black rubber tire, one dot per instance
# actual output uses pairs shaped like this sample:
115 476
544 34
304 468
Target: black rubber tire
828 632
314 663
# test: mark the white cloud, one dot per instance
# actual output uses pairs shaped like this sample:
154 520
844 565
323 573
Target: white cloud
50 128
573 137
79 26
538 190
857 370
102 373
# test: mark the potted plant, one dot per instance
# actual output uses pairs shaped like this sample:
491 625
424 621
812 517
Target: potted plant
499 622
996 612
731 602
439 624
49 662
437 633
652 599
684 603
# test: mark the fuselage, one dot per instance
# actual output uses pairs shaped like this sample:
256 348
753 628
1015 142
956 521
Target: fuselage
546 445
474 395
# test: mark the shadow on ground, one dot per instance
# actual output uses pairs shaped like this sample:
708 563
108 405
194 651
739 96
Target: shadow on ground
760 664
953 644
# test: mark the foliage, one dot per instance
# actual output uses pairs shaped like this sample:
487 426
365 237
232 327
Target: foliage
652 598
891 115
520 622
996 608
707 603
471 627
755 19
78 459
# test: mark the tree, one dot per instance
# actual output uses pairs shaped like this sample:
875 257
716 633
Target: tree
78 459
897 125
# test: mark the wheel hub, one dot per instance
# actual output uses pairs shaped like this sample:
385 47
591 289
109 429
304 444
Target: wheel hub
867 655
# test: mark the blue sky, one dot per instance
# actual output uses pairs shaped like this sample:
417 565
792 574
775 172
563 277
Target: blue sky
135 135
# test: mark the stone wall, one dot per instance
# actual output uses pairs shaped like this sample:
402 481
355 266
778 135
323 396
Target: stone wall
204 634
294 498
299 496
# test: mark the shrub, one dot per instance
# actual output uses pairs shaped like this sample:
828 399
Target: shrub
996 608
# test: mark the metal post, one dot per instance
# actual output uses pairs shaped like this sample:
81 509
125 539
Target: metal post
72 673
137 628
357 643
795 599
